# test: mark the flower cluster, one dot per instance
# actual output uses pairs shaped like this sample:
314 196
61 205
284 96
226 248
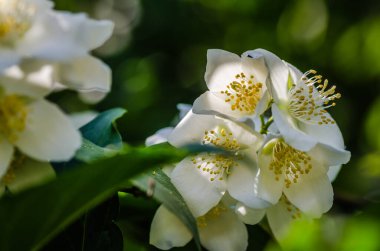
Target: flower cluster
279 151
41 51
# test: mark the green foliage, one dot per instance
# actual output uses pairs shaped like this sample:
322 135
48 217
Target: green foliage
40 213
102 130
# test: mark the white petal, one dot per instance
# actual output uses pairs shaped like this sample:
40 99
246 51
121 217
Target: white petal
210 103
292 135
167 231
280 219
87 33
192 128
328 155
86 74
183 109
268 188
92 97
313 193
31 78
249 215
48 39
63 36
224 233
295 73
221 69
333 172
80 119
6 155
278 75
254 64
200 193
31 173
159 137
326 134
49 135
242 184
263 103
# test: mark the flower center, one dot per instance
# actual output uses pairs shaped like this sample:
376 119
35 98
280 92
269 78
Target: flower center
310 98
221 138
293 210
13 115
243 93
288 162
216 165
214 213
15 20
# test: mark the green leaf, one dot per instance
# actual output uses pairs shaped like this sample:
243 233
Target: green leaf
102 130
30 219
168 195
89 152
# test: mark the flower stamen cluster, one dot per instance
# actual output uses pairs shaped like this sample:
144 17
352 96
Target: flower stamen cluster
221 138
15 20
289 162
243 93
13 116
310 99
216 165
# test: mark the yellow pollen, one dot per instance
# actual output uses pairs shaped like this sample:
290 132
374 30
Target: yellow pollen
214 213
292 210
289 163
310 98
216 165
15 20
222 138
243 94
13 115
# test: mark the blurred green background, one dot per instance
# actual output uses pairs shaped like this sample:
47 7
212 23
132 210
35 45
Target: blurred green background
158 58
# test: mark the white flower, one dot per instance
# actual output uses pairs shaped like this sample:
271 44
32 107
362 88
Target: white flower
36 127
236 85
31 29
56 40
281 216
203 179
300 103
220 229
301 176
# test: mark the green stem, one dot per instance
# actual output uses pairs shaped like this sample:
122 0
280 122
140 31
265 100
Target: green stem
265 126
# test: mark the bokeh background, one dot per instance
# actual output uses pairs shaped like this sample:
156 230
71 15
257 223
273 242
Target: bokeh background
158 58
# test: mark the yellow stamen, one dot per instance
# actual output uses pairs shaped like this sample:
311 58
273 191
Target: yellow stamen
13 116
288 162
243 93
310 98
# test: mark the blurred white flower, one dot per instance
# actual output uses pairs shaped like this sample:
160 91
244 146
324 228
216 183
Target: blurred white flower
300 103
31 29
36 127
301 176
35 36
203 179
220 229
236 85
